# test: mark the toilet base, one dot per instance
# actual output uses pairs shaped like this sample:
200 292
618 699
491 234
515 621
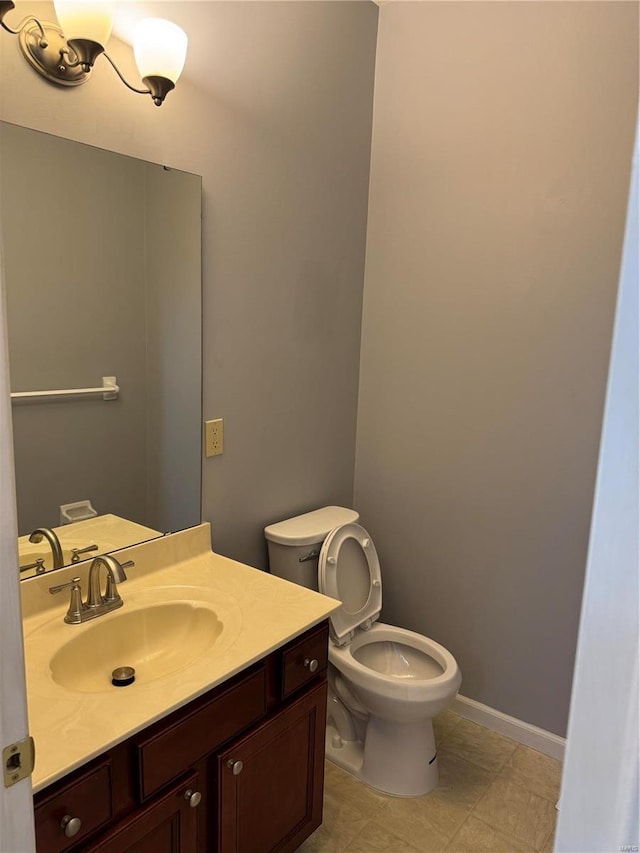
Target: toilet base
344 753
399 760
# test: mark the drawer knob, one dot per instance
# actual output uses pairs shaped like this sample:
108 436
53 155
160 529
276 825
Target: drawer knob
311 664
236 766
192 797
71 825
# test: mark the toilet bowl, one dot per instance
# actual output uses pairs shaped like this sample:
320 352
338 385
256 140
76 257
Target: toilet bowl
385 683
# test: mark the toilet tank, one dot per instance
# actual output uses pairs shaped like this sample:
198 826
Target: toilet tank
294 544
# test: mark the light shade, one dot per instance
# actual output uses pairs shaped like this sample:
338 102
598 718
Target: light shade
85 19
160 48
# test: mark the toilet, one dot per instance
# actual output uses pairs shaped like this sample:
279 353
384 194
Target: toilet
385 683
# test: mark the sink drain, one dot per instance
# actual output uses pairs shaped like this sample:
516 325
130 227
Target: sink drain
122 676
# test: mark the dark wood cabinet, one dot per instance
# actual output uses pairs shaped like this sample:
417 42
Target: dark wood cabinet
172 787
174 746
168 825
271 780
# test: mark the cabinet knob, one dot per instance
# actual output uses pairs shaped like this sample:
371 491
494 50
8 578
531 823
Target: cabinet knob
236 766
311 664
192 797
71 825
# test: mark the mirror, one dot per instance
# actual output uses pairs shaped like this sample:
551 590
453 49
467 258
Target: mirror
102 273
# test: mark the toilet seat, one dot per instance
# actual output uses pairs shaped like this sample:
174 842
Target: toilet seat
427 686
349 571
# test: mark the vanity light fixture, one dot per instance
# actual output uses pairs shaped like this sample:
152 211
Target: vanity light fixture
65 54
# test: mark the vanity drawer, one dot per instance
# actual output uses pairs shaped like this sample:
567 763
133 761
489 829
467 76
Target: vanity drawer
87 798
165 755
297 660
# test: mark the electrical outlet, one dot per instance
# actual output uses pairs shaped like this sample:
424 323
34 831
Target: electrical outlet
213 437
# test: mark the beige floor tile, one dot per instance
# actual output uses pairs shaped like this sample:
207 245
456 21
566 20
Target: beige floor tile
534 771
428 821
516 811
374 838
341 822
443 725
351 791
479 745
322 841
461 786
494 795
475 836
411 827
421 821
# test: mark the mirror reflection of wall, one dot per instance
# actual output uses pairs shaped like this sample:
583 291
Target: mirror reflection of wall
102 275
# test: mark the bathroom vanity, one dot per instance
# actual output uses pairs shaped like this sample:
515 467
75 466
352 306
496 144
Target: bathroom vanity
222 753
240 768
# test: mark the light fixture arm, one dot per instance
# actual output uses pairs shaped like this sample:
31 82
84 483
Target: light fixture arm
119 73
7 6
23 24
158 87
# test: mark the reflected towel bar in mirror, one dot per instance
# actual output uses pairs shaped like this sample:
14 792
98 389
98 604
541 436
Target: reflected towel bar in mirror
109 390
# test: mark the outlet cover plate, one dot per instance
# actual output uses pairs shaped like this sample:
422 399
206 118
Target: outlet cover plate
213 437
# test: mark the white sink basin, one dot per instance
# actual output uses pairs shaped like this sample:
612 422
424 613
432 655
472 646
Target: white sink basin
155 640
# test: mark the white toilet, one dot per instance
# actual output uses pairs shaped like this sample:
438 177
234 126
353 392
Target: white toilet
385 684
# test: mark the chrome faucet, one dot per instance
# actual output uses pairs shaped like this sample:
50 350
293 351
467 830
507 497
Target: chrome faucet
96 604
41 533
115 574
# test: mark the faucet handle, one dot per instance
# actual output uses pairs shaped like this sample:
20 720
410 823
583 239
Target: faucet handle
75 552
76 605
73 582
38 566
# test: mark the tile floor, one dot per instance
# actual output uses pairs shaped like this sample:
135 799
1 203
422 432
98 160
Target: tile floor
494 795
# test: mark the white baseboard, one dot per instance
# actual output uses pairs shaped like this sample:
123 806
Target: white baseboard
511 727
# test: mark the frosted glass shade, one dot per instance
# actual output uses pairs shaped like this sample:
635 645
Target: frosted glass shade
85 19
160 48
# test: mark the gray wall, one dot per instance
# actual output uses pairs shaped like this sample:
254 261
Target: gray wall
500 169
280 130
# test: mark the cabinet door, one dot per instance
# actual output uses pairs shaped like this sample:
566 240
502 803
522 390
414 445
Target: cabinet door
168 825
270 782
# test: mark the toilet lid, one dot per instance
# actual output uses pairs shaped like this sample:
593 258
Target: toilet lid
349 570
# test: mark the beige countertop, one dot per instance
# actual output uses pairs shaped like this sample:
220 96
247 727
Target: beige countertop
259 614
